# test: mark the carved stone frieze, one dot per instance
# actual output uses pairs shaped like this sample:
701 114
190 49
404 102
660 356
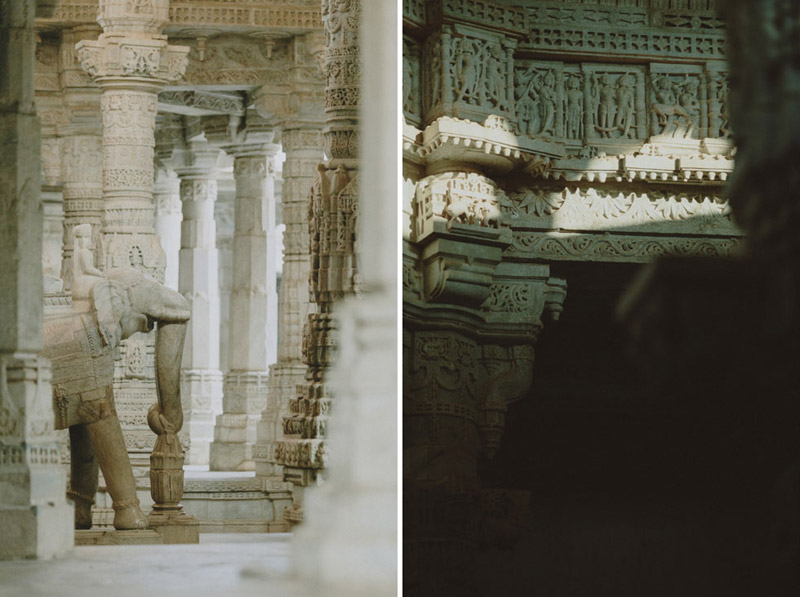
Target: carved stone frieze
556 246
195 14
618 209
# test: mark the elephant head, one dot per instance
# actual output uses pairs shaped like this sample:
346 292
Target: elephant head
127 302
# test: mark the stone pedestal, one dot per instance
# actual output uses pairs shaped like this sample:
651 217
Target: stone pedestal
253 300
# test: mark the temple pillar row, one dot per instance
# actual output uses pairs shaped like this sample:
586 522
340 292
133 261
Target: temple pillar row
253 300
34 514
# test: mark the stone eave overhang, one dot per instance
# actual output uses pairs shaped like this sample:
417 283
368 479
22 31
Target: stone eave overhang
493 148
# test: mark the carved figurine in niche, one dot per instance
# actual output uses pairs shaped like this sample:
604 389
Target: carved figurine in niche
537 98
549 99
689 102
671 110
408 81
574 109
495 78
527 104
81 345
604 94
466 71
626 104
435 74
722 98
84 273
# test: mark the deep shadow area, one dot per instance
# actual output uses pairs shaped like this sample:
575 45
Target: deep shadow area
646 483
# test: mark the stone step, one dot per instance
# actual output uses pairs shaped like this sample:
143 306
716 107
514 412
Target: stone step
96 536
222 502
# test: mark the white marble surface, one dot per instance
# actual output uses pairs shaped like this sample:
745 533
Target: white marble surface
222 564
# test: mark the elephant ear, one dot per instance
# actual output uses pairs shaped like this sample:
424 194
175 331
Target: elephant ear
110 299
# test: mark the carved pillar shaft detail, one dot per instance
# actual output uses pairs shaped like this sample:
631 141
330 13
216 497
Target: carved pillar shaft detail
34 514
303 152
201 379
252 306
332 215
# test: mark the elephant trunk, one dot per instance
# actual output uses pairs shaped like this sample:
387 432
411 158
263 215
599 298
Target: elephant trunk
167 415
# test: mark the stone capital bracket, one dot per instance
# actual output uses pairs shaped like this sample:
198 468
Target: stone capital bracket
200 103
138 61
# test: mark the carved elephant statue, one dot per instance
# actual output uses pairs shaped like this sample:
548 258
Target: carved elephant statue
81 345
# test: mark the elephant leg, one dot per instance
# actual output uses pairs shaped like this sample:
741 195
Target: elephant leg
112 455
83 475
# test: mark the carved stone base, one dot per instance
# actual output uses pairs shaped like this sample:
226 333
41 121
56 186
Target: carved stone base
232 455
113 537
235 432
41 532
175 527
201 392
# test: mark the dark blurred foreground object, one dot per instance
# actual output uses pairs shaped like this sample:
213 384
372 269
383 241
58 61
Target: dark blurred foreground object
719 339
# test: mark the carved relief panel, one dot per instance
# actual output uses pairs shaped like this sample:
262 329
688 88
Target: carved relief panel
678 101
614 105
412 104
470 74
539 98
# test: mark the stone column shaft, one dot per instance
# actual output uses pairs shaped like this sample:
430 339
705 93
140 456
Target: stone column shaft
333 215
82 187
199 283
252 298
130 62
34 515
166 196
303 148
81 148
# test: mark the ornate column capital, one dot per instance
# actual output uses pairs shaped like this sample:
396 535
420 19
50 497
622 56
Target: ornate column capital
131 51
137 62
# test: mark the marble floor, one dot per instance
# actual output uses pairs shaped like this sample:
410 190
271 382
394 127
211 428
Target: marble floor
222 564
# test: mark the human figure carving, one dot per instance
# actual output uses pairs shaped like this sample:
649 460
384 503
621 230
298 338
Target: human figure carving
495 76
549 97
84 273
605 98
626 106
466 71
528 103
670 118
574 116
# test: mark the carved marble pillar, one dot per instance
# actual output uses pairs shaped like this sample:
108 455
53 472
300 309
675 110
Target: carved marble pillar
201 379
52 203
333 210
223 215
81 147
252 297
331 544
166 196
34 515
303 148
131 61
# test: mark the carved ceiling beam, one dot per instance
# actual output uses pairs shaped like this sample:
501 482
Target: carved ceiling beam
200 103
220 15
46 8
